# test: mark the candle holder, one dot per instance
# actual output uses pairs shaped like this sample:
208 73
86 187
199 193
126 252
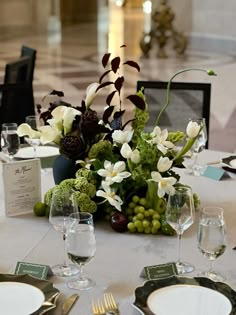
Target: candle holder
162 31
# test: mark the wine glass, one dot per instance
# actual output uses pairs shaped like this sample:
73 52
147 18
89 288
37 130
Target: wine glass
180 214
199 145
81 247
10 141
63 204
34 123
211 238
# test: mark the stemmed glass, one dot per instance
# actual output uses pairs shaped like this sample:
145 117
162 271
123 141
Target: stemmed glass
81 247
63 204
34 123
180 214
199 146
211 238
10 141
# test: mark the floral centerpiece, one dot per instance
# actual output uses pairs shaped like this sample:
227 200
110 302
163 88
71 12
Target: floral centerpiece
123 172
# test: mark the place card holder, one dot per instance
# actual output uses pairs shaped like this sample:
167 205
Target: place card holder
35 270
161 271
215 173
22 186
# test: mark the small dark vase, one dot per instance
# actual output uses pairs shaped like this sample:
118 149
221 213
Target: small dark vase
63 168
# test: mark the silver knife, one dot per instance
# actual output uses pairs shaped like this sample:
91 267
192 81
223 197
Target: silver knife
67 305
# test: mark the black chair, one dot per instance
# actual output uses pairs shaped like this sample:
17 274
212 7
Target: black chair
31 53
17 100
187 100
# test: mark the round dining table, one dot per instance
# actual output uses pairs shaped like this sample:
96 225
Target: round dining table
120 257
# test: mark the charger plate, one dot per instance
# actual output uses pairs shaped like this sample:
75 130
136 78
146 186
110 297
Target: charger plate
147 296
43 151
229 162
51 294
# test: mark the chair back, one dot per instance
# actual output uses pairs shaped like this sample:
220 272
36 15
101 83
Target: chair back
31 53
17 99
187 100
17 71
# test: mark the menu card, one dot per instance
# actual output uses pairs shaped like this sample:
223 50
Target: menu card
22 186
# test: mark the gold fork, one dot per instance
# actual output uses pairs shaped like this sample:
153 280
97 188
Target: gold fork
110 304
98 308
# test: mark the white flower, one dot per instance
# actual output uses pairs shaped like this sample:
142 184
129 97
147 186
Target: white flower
192 129
63 117
165 184
164 164
110 195
91 93
127 153
49 134
25 130
113 173
159 138
120 136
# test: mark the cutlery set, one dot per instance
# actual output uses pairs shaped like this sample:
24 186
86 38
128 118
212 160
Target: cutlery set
109 307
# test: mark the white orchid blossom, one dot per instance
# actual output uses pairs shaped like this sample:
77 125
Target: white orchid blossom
165 184
122 137
127 153
25 130
193 129
159 137
91 93
113 173
110 195
164 164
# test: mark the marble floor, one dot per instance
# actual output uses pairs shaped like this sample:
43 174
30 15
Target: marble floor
69 61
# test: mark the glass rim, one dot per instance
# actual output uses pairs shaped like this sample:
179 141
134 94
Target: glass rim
212 210
12 124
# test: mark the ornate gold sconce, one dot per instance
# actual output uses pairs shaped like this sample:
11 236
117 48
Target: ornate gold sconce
162 30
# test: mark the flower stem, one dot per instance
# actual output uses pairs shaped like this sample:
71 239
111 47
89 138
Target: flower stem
209 72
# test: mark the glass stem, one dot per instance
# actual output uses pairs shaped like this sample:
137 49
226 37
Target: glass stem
81 273
65 252
179 247
211 266
35 152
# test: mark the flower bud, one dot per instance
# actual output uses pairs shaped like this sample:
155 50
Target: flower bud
192 129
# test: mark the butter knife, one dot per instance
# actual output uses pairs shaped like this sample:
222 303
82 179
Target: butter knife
67 305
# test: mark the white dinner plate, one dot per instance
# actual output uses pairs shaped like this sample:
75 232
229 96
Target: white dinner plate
19 298
41 152
188 299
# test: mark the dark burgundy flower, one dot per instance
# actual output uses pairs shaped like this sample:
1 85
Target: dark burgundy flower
73 146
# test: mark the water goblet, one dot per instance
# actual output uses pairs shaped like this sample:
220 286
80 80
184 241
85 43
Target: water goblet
10 141
63 204
211 238
199 145
180 214
81 247
34 122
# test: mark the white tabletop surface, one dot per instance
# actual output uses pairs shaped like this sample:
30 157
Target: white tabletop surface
120 257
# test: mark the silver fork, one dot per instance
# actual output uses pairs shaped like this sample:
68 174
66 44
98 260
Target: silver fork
98 308
111 306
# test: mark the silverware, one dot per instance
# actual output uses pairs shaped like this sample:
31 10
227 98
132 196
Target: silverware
69 302
110 304
98 308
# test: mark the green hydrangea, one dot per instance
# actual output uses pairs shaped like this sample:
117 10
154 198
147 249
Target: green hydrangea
176 136
81 184
84 202
101 150
67 184
88 174
48 195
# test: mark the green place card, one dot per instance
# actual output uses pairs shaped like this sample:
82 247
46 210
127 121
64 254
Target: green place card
215 173
34 270
160 271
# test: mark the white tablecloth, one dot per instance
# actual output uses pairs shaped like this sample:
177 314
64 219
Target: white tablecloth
120 257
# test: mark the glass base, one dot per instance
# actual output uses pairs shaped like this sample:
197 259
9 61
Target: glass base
81 284
184 267
65 271
213 275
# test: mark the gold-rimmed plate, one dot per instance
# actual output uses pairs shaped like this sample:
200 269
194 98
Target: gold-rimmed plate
147 295
51 294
